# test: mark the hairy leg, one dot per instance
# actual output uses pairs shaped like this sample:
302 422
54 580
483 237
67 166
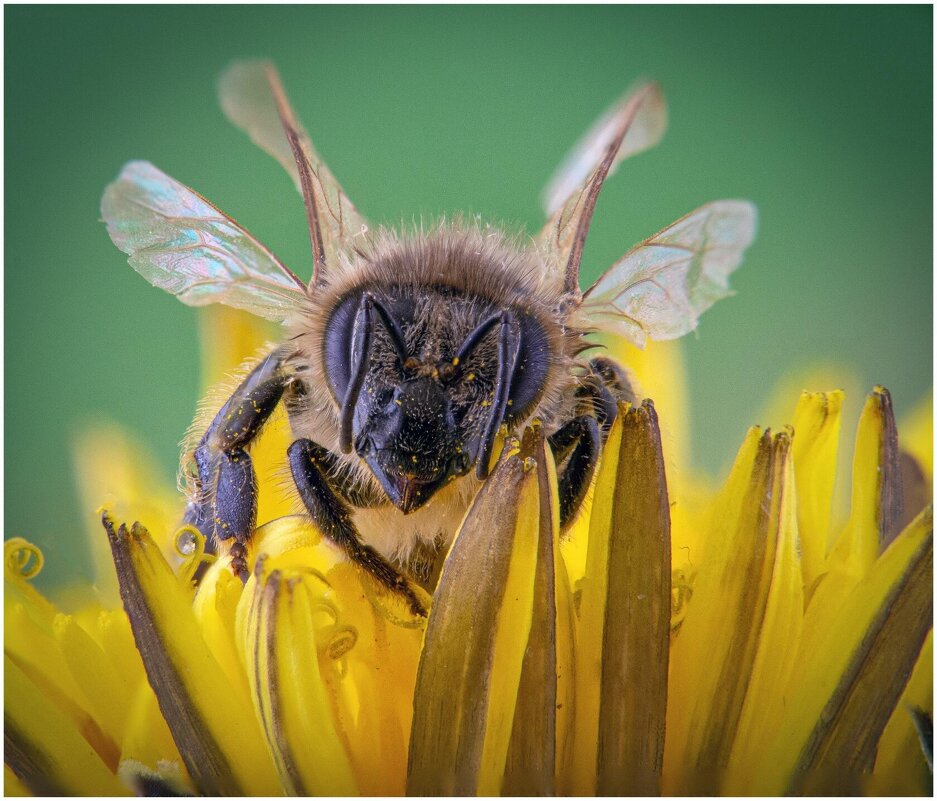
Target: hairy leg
225 505
328 505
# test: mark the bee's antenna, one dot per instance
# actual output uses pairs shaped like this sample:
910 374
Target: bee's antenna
393 329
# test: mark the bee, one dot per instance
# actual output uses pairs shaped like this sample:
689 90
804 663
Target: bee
407 354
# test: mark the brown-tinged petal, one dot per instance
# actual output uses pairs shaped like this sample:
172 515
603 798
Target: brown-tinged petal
624 626
842 746
844 689
875 511
876 489
780 634
903 764
217 734
476 637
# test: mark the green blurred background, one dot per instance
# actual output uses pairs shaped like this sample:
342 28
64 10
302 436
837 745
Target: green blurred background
822 116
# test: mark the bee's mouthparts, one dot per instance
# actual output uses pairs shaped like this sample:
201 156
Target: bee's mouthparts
410 493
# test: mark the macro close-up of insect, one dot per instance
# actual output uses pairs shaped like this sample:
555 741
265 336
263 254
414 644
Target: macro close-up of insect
422 461
409 353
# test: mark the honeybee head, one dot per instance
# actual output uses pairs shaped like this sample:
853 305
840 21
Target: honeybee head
423 385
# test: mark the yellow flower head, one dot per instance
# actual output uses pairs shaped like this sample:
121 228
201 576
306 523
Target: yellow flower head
778 650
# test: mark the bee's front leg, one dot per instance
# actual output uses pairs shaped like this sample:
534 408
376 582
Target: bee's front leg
576 449
327 500
225 505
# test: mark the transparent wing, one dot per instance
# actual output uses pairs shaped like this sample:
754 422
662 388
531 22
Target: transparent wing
661 286
634 124
253 98
180 242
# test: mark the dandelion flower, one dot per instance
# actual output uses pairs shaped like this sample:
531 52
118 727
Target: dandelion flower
790 653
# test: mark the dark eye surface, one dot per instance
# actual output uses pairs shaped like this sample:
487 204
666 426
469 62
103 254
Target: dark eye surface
533 364
337 345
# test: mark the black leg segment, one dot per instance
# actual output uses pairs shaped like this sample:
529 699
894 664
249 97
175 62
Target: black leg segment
225 505
606 385
310 465
235 504
576 451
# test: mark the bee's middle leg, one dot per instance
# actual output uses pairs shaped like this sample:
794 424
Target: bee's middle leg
327 500
576 449
577 444
605 386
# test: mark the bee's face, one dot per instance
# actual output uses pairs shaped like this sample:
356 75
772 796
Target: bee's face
425 403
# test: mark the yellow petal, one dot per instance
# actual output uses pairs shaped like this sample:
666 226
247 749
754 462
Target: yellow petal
368 644
286 610
107 691
12 786
565 669
715 650
469 673
593 592
843 690
44 748
532 759
816 443
30 642
215 609
148 739
218 736
917 435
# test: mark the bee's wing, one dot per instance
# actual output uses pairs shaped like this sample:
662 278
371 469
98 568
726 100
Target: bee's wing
253 99
634 124
180 242
660 287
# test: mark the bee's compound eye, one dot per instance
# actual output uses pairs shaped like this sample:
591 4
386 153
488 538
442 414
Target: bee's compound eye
533 364
336 345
